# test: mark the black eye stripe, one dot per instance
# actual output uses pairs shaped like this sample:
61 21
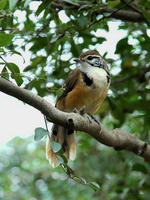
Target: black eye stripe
92 57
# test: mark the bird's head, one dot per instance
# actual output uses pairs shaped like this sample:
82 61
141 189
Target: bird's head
91 59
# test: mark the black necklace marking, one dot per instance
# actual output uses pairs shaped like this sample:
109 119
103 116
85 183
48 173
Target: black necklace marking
108 75
55 129
90 63
86 79
108 79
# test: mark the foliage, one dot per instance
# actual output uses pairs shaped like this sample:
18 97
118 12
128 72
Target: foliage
54 32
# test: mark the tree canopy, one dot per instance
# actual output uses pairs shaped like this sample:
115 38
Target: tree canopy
54 32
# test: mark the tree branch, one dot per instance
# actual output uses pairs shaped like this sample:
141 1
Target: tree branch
132 6
139 74
135 8
122 14
125 15
117 138
6 15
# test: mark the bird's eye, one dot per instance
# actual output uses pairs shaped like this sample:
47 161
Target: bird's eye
89 57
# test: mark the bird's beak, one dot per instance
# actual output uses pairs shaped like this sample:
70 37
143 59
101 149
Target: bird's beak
77 60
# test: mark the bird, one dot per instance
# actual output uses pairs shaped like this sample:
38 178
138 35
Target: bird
85 87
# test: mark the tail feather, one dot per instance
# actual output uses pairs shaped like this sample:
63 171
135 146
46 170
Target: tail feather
51 156
72 146
67 141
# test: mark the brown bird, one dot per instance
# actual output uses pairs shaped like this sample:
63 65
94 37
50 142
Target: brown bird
86 87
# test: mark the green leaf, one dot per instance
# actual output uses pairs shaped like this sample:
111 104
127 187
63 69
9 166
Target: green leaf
146 14
5 39
82 21
113 3
29 25
140 168
15 73
13 67
2 50
30 67
55 146
5 73
3 3
95 186
18 79
71 2
101 39
12 4
83 180
62 158
84 6
42 7
40 133
79 180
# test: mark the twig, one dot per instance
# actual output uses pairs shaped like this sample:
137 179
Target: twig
9 29
6 15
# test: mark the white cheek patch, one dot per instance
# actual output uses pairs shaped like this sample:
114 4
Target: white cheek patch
98 75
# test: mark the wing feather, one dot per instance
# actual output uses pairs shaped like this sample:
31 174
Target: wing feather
70 83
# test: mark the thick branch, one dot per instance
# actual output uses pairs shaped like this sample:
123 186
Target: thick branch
117 138
125 15
122 14
132 6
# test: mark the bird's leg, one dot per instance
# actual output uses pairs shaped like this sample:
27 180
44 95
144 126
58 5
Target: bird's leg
81 111
96 120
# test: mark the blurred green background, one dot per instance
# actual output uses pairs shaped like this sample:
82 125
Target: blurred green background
53 33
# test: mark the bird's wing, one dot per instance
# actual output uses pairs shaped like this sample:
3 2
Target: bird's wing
70 83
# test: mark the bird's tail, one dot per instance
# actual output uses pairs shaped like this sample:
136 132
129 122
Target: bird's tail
66 139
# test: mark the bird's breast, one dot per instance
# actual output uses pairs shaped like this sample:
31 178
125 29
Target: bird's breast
90 96
83 96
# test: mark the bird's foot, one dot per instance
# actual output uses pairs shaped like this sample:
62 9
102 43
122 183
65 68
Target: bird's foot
97 121
80 111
